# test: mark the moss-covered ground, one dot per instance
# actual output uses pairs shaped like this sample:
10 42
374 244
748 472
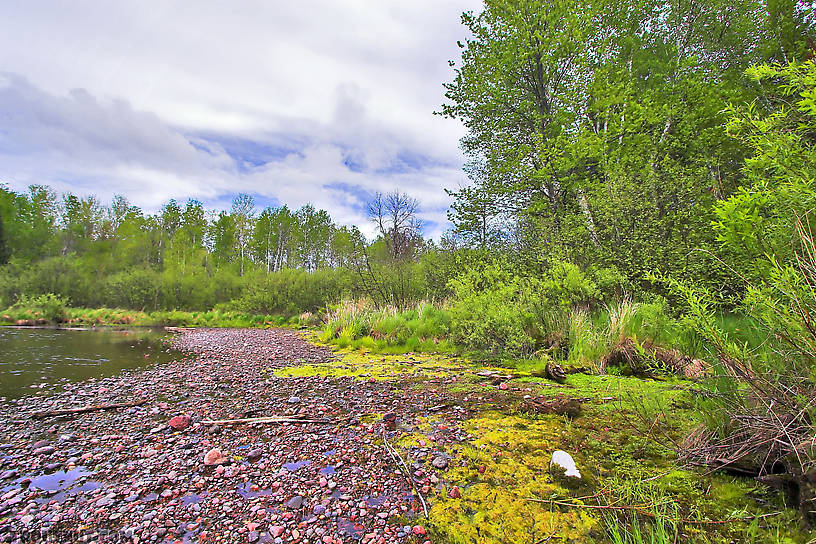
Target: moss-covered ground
499 487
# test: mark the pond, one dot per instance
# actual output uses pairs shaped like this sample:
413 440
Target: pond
31 357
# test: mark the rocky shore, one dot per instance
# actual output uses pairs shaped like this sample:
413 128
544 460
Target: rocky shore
159 472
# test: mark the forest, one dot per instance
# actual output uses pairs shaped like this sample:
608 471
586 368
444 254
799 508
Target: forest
642 185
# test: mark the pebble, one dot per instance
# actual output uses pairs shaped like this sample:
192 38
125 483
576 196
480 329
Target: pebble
125 473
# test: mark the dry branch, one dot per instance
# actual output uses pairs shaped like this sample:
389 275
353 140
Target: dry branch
404 469
86 409
272 419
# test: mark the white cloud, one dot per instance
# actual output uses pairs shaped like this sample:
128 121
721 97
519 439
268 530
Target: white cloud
138 98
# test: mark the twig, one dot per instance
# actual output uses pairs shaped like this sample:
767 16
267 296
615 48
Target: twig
86 409
272 419
404 469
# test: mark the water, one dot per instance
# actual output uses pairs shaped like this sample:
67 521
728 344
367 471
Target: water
297 465
30 357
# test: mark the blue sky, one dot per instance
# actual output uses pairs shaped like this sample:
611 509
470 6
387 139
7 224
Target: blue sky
313 101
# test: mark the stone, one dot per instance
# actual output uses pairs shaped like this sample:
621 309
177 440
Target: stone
254 455
214 457
294 400
276 531
564 461
179 423
45 450
440 462
295 502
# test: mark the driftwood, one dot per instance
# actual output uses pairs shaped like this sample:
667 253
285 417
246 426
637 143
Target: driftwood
271 419
650 360
404 469
86 409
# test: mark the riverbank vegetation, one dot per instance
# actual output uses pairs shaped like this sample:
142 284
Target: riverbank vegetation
641 201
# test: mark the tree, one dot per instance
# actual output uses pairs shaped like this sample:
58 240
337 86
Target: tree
395 216
243 216
596 129
222 234
5 250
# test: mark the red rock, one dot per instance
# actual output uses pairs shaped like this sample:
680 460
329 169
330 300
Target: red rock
454 493
276 531
419 530
503 386
179 423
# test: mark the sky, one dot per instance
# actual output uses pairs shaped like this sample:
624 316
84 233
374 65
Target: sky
315 101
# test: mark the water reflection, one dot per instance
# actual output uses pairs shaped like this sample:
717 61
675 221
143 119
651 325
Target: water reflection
34 359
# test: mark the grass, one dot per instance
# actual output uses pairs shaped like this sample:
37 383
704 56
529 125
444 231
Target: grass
358 326
623 444
23 315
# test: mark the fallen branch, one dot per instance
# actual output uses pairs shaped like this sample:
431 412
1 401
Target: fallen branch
404 469
86 409
272 419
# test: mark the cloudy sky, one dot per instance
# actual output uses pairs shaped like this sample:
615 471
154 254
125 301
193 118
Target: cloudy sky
321 101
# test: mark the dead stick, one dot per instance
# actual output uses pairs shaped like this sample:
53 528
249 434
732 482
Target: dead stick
404 469
86 409
272 419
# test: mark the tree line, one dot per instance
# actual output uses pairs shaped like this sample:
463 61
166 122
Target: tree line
187 257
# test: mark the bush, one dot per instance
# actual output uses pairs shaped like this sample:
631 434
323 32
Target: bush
492 310
50 307
136 289
566 285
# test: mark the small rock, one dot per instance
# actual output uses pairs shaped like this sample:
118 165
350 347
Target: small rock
214 457
295 502
254 455
294 400
440 462
276 531
564 461
179 423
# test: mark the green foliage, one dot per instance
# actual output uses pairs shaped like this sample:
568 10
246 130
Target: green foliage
492 310
290 292
566 285
43 308
760 219
388 330
136 288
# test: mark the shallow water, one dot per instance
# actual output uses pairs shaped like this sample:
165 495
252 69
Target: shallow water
31 357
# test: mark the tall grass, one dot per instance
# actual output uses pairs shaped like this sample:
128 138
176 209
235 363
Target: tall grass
359 325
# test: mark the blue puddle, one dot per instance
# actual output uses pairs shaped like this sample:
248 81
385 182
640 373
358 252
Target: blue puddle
375 501
328 471
293 467
58 485
193 498
244 491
